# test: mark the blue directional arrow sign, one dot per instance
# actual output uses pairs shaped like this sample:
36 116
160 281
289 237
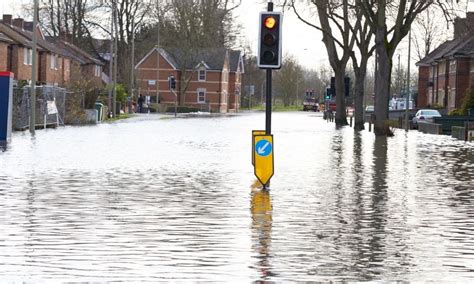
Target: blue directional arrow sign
263 148
263 158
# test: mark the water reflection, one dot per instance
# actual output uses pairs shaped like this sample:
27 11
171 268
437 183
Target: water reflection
378 208
261 209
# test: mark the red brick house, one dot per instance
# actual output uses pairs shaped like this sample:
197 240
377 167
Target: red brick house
59 63
85 69
446 74
212 79
53 63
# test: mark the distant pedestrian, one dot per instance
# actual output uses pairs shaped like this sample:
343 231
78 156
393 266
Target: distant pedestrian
140 103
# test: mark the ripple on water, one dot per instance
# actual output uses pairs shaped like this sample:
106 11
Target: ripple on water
175 200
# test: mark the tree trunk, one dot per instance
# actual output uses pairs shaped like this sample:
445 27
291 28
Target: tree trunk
341 119
382 85
360 74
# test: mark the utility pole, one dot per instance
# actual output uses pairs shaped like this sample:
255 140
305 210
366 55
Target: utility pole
407 104
399 77
158 52
132 71
114 105
33 72
111 65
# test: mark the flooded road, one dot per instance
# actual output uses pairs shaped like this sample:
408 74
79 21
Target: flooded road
150 199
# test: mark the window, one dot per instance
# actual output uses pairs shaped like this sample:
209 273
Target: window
442 68
202 74
98 71
452 66
66 66
54 62
27 56
201 95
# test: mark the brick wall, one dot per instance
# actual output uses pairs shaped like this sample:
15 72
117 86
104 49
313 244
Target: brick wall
235 91
423 79
21 71
462 79
3 56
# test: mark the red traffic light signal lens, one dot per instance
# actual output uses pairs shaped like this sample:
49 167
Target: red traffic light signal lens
269 39
269 22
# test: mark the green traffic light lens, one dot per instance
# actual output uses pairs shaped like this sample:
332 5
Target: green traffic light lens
268 56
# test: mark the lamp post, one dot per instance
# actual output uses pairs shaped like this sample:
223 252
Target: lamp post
33 72
407 104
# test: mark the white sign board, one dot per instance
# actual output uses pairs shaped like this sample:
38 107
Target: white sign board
52 109
151 82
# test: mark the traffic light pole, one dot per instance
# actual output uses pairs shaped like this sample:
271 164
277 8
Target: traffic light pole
268 104
268 97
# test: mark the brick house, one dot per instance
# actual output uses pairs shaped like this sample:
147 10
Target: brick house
212 80
447 73
16 54
85 69
59 63
53 63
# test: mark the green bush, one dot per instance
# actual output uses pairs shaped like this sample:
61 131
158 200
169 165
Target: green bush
437 106
182 109
468 101
121 93
455 112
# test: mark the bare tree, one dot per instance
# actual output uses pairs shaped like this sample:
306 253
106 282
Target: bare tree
189 28
363 34
391 21
430 31
287 80
338 44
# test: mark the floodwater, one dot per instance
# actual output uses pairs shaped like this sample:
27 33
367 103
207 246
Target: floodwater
151 199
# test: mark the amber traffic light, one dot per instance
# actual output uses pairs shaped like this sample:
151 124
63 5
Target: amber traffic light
269 49
270 22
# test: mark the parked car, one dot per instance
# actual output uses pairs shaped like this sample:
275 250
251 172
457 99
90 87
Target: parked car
425 115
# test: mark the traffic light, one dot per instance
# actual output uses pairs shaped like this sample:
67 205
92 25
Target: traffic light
347 86
328 93
333 86
171 82
269 48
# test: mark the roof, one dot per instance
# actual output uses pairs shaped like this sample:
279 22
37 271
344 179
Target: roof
462 46
212 59
74 52
236 60
14 36
5 38
25 38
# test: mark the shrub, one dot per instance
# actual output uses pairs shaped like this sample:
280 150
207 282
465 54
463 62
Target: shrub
437 106
455 112
468 101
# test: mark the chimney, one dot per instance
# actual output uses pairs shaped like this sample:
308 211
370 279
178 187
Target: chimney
7 19
463 26
18 22
28 26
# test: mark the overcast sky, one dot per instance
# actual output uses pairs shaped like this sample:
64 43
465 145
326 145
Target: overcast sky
298 39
